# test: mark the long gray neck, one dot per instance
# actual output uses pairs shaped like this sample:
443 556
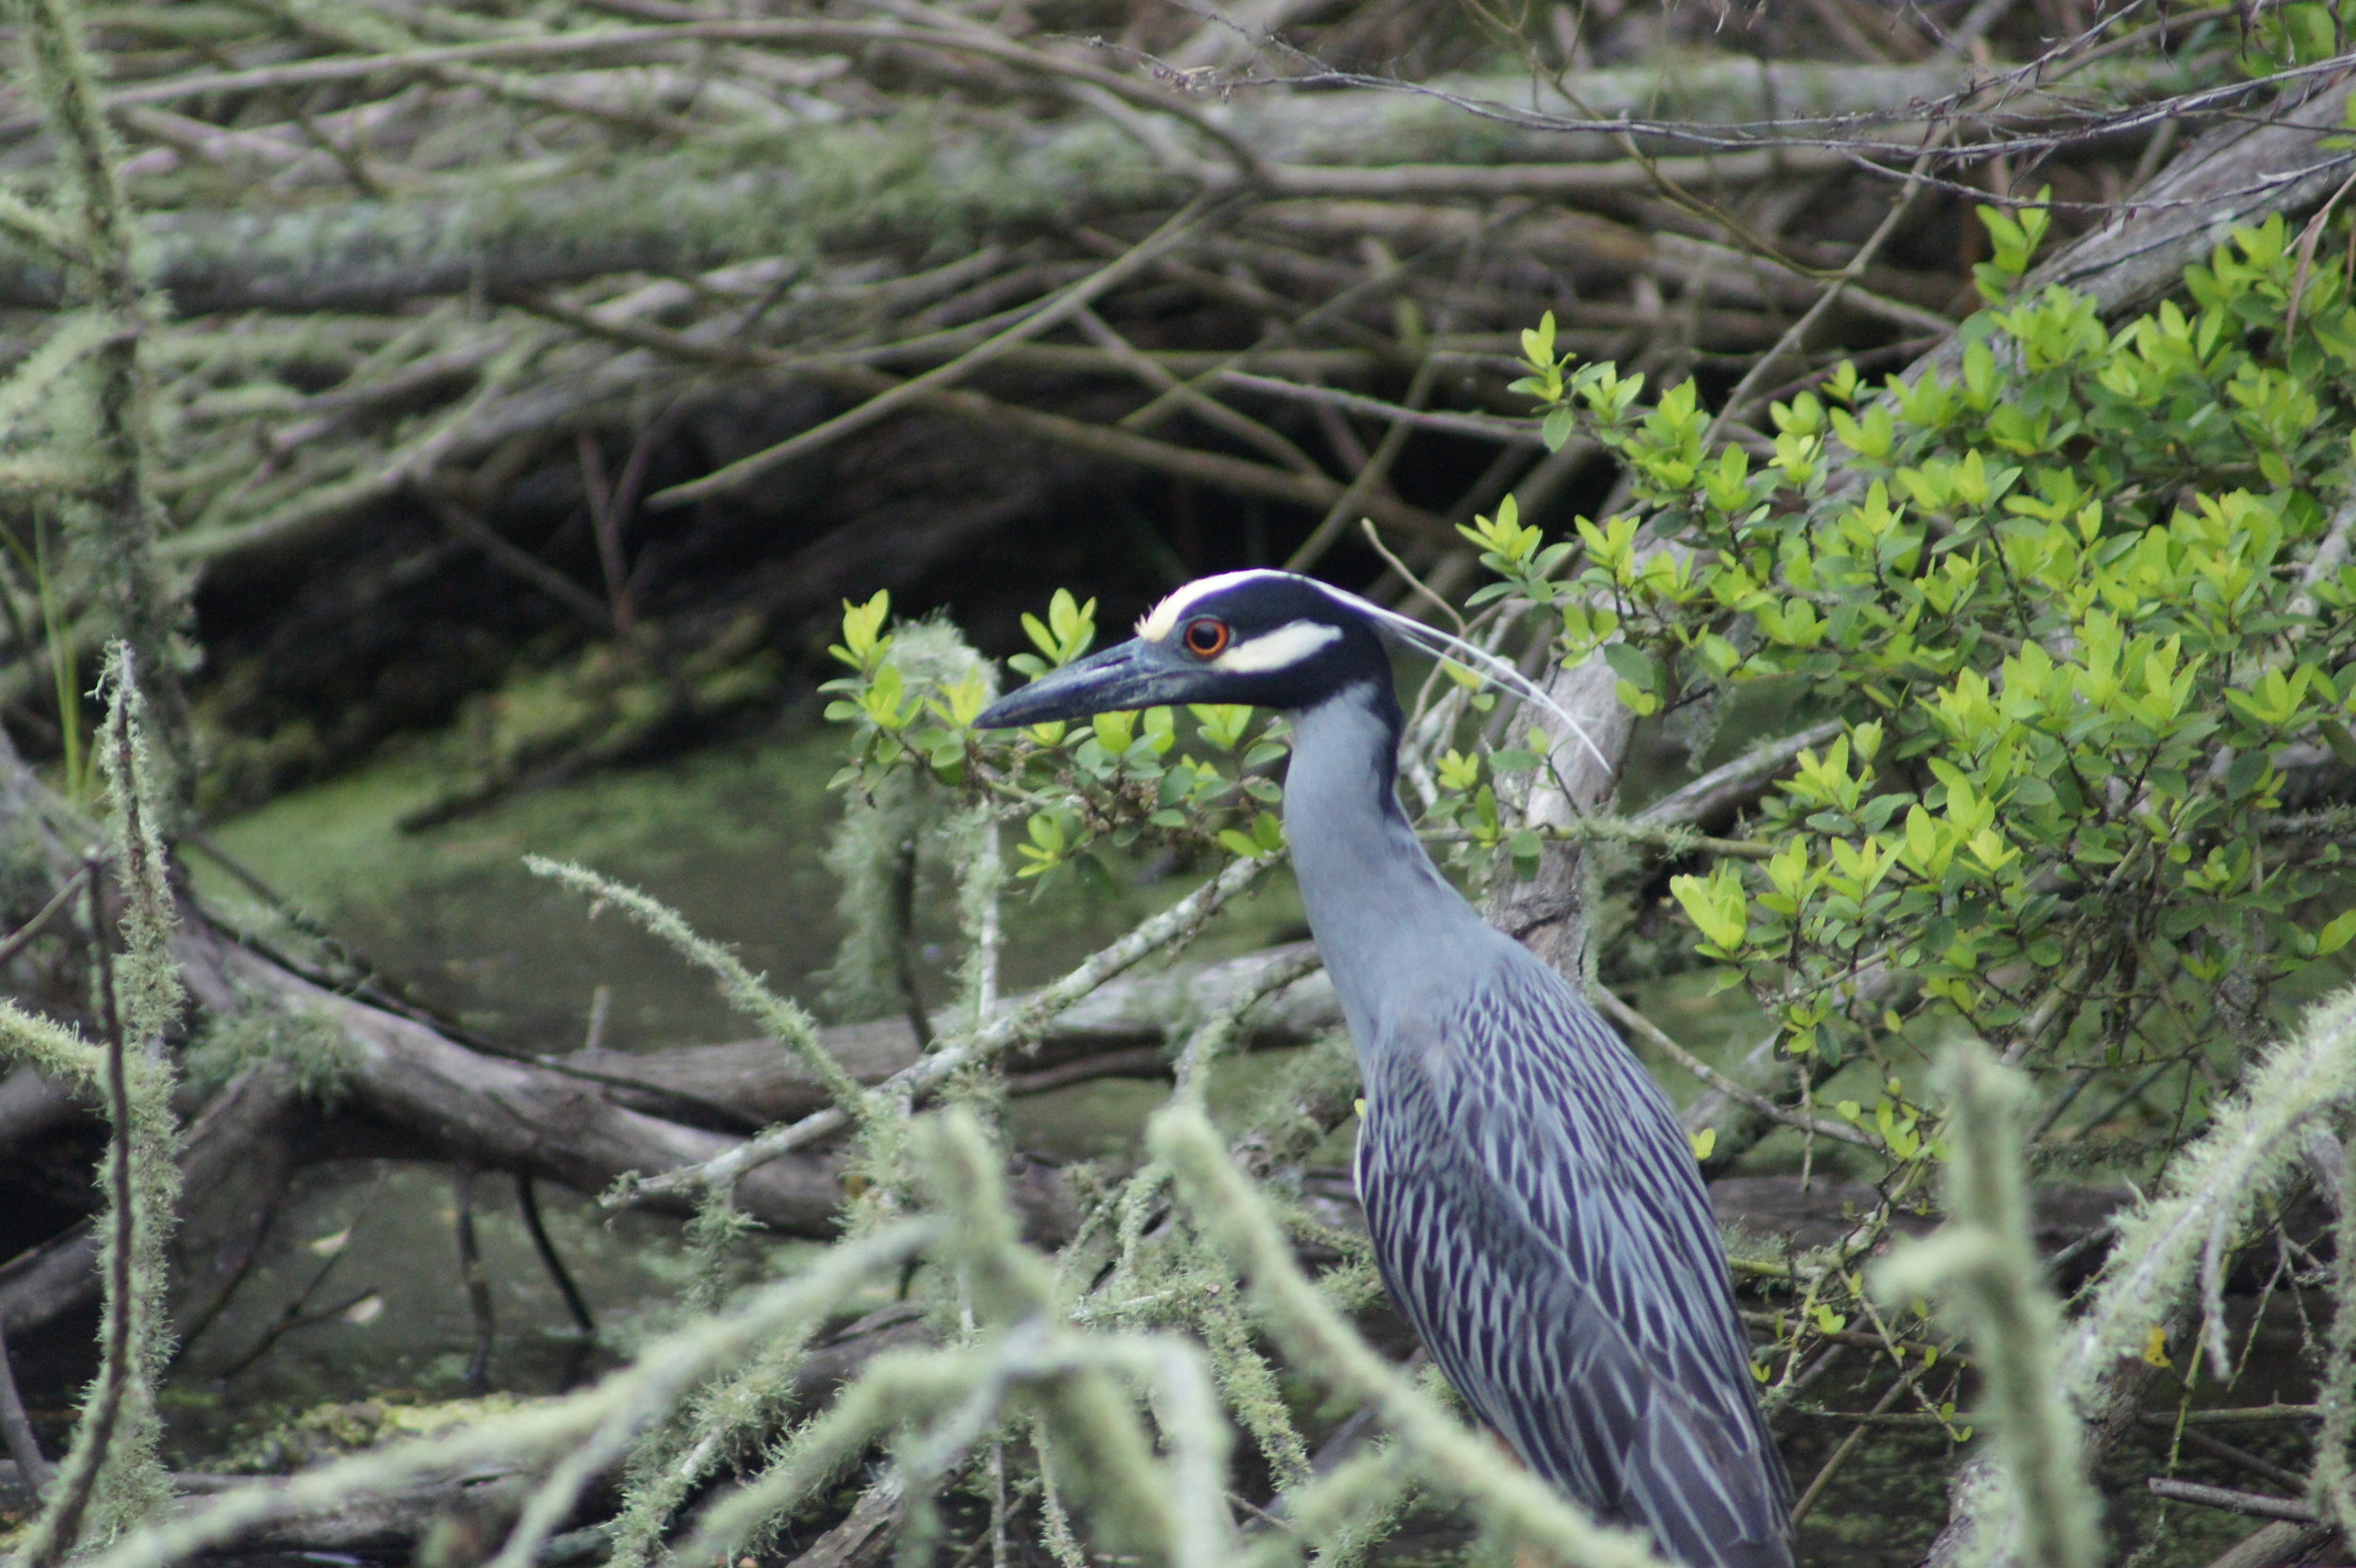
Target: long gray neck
1382 914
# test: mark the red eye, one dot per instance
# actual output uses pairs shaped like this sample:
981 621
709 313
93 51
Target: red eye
1206 638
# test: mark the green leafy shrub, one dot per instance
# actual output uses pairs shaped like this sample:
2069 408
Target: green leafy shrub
2084 611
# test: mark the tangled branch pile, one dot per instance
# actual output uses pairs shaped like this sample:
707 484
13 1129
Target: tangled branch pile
661 329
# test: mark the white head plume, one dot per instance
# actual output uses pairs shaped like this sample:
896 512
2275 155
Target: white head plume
1162 619
1446 644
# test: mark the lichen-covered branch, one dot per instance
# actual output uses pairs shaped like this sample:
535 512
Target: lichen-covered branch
1984 1271
1176 923
111 1477
109 510
2214 1183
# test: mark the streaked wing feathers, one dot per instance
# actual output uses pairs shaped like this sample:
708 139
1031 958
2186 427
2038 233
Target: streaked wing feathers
1539 1217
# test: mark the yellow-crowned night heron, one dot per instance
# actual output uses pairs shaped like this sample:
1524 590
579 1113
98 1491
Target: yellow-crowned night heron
1534 1205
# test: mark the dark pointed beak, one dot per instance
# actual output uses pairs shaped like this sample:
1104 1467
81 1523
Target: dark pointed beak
1129 676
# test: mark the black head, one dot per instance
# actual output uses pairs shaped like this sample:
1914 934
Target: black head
1270 639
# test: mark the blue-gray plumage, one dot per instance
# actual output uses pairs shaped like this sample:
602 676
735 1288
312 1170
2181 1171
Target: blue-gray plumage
1533 1202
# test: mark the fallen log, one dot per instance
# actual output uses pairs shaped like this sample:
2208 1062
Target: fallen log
528 1117
393 1521
763 1083
667 215
448 1101
397 1520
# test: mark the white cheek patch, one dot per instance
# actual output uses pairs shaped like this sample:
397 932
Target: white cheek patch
1163 618
1286 646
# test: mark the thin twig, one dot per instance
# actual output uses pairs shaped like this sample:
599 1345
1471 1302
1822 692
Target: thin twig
604 617
2265 1469
605 526
1114 442
1373 478
471 1274
528 1201
1407 574
1495 180
1848 1446
1737 405
1177 923
23 934
1624 830
1329 311
2223 1416
1051 313
1491 427
297 1315
1654 1036
1730 780
2255 1504
1137 1061
62 1528
1199 403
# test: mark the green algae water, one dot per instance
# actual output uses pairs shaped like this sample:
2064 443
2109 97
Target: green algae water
732 836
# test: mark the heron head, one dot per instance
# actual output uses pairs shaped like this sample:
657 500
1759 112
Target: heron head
1270 639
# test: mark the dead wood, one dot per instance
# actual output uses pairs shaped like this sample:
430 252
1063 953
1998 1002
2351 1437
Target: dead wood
2280 1544
1804 1216
863 1537
793 600
762 1083
399 1519
658 218
241 1150
236 1155
448 1101
522 1116
518 1116
2238 174
2256 1504
236 1160
586 1119
391 1522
